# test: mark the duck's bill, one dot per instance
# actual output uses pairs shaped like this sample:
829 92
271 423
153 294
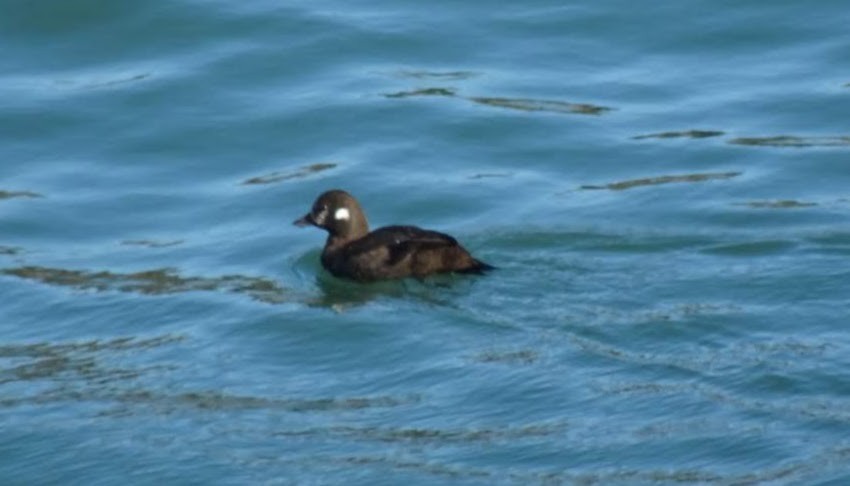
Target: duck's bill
307 220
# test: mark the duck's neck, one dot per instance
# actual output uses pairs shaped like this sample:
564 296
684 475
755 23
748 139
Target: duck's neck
336 241
341 235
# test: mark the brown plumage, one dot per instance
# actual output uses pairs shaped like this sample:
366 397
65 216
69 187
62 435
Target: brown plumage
351 251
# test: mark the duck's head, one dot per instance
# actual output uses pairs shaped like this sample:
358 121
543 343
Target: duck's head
338 213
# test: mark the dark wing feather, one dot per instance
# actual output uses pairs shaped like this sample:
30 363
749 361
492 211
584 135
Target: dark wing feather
400 241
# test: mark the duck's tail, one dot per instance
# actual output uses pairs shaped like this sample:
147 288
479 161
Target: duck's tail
477 268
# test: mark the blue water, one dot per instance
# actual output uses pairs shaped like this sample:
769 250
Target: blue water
664 189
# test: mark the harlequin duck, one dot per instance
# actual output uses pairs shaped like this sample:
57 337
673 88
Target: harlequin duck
351 251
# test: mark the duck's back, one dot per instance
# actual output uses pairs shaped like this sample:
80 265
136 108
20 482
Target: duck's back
398 252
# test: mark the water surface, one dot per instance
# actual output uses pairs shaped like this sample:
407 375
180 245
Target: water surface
663 189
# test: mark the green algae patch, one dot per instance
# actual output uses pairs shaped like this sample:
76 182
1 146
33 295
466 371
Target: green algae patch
87 371
791 141
9 250
521 356
430 435
422 92
779 204
118 81
152 282
152 243
76 361
491 175
438 75
532 105
752 248
19 194
696 134
661 180
518 104
280 176
216 401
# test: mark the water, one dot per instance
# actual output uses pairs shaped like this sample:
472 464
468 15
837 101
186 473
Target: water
664 190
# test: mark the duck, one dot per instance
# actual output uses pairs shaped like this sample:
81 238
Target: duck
391 252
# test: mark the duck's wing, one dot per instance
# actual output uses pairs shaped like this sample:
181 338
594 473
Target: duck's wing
399 242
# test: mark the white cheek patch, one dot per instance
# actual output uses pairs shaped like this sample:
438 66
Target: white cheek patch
341 213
